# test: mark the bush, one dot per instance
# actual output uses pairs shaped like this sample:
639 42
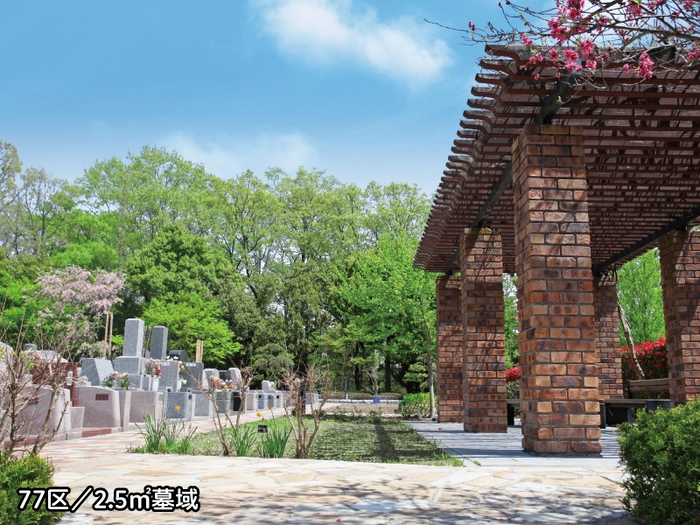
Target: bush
27 472
651 357
413 404
661 453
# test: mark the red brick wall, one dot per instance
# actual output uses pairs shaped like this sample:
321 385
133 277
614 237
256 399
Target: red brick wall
449 350
680 277
607 327
559 385
481 265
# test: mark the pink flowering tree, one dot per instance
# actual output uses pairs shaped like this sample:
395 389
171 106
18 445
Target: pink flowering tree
582 37
78 300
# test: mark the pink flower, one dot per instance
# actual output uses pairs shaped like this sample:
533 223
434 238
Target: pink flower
646 66
525 39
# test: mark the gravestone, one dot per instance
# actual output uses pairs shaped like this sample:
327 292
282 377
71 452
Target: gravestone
169 376
131 365
96 369
235 376
30 347
179 406
210 372
202 405
159 342
223 401
143 403
101 407
194 377
267 386
180 355
133 338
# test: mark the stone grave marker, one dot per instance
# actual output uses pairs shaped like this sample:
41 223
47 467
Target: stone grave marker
96 369
179 406
194 377
159 343
169 371
133 338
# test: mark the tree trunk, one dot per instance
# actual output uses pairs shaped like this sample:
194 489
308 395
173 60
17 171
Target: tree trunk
431 387
387 372
628 337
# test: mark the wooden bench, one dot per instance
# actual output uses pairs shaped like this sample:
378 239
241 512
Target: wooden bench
649 385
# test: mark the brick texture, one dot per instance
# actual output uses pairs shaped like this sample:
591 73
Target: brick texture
607 328
680 278
557 339
449 351
481 265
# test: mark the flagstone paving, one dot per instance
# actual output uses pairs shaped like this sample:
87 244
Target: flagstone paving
507 488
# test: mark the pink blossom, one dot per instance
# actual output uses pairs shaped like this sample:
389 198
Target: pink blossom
591 64
526 39
646 66
586 48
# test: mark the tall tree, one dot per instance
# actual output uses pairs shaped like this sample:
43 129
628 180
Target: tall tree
640 295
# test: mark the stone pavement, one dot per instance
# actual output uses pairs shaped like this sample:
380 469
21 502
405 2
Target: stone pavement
508 487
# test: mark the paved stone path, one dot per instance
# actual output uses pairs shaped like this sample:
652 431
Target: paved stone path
508 487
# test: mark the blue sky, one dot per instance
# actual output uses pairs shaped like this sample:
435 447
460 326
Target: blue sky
364 90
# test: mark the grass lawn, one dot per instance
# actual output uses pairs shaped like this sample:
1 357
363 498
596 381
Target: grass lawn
378 441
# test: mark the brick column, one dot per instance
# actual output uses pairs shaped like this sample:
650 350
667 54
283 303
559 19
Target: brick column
607 328
680 278
481 265
559 385
449 351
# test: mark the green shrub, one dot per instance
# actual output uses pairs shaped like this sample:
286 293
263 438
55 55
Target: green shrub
413 404
27 472
661 453
243 439
167 436
274 442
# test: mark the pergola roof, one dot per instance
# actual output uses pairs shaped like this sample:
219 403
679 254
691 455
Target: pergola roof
641 145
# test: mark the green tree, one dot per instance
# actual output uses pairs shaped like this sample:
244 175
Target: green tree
510 320
640 295
175 261
189 317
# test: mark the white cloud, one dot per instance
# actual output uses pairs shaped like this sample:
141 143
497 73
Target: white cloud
327 30
227 157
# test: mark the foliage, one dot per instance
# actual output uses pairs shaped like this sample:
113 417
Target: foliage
165 436
510 325
189 317
639 292
661 455
175 261
651 357
274 442
77 300
513 374
243 439
29 471
413 404
645 37
270 272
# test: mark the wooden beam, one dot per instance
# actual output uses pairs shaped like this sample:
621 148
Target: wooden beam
478 222
677 224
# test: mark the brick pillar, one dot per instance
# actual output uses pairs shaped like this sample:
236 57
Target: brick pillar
481 265
559 385
680 278
607 328
449 350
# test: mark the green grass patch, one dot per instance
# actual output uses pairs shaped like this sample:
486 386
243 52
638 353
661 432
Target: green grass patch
376 441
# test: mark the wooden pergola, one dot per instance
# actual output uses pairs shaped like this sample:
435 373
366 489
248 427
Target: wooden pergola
562 183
